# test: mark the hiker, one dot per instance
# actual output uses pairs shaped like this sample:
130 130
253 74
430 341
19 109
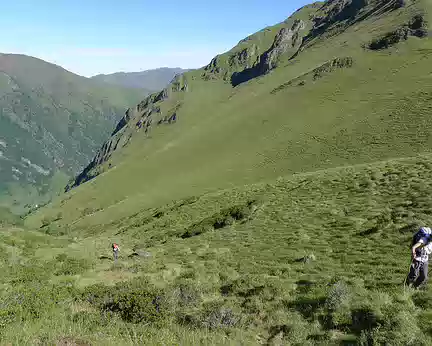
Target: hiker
115 249
421 247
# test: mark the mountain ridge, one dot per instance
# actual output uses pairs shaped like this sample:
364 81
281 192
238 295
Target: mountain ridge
52 120
148 80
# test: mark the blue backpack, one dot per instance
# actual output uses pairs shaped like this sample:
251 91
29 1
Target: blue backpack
424 234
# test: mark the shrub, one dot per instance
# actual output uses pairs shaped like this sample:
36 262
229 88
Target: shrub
224 218
134 301
216 315
337 296
33 302
185 294
70 265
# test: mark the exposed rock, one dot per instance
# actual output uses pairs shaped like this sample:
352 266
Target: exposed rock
307 259
317 73
336 11
400 4
179 83
162 95
244 56
122 123
287 40
213 67
335 16
331 66
417 27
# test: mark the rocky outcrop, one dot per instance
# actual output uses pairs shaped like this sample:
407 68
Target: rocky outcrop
286 39
335 16
416 27
317 73
252 58
286 42
242 57
331 66
179 83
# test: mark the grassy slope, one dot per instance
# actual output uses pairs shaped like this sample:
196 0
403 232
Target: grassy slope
228 265
229 136
53 118
244 279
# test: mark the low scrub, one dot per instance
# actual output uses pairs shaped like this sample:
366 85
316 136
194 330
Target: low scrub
224 218
135 301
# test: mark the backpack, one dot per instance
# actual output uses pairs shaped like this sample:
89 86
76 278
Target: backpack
424 233
115 247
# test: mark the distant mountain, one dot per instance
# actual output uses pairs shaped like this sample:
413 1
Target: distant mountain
150 80
51 121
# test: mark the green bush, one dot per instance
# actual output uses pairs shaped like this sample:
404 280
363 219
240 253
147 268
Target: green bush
134 301
212 315
225 218
27 273
33 302
185 294
70 265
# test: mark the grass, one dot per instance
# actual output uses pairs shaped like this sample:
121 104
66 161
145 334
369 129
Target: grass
259 217
228 136
317 258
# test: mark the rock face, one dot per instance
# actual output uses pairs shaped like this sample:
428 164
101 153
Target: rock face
416 27
287 42
337 15
286 39
317 73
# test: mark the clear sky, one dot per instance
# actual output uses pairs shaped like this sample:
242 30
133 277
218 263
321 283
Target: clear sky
94 36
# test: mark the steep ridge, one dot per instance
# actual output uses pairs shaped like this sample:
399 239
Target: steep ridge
201 133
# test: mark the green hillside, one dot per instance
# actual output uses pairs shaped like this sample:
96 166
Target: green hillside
149 80
268 198
323 101
51 121
311 259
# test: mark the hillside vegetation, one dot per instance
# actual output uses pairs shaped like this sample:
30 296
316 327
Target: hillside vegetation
268 198
51 121
315 258
317 105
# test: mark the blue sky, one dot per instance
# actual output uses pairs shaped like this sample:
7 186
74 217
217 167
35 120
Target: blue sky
93 36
